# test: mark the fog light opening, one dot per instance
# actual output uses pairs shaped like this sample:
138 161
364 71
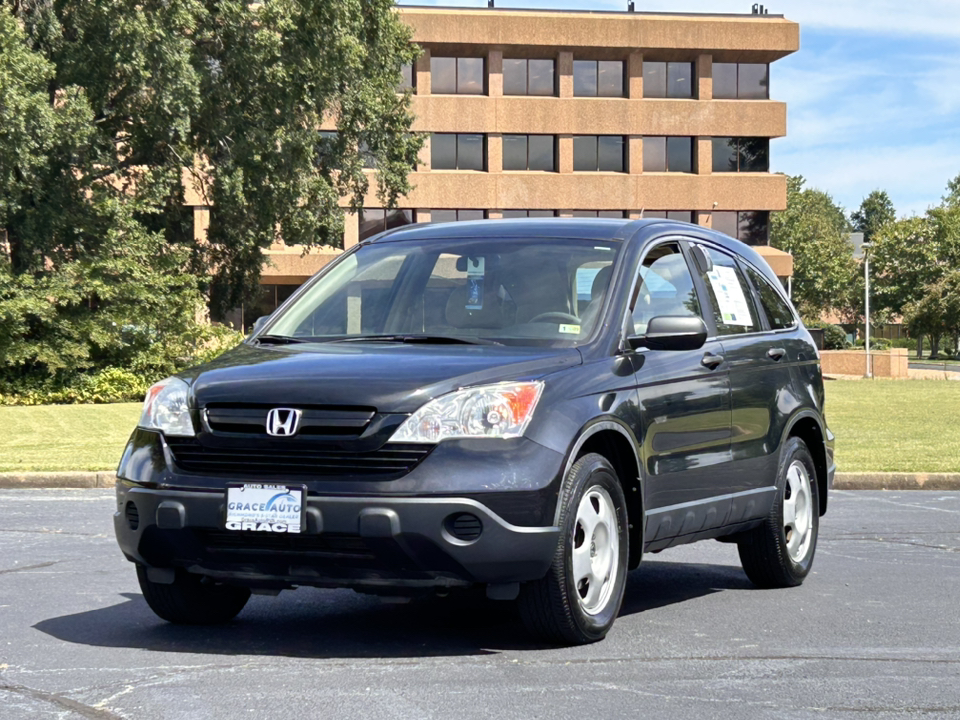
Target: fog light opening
465 527
132 515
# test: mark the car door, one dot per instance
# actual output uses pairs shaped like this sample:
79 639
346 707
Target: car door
684 404
757 365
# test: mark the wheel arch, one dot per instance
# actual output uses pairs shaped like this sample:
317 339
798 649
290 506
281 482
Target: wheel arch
808 427
613 440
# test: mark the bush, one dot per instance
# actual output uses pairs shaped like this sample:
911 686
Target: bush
834 336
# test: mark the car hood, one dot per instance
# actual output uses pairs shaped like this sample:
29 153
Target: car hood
390 377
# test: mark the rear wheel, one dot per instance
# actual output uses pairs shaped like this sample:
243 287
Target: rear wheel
191 600
579 599
780 552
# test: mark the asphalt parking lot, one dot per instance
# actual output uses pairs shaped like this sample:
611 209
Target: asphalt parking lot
874 632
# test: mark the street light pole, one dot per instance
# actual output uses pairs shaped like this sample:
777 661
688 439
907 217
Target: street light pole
866 282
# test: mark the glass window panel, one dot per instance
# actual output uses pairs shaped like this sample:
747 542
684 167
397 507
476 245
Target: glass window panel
509 214
443 76
754 154
724 155
655 214
680 80
654 79
470 76
610 153
443 151
584 153
541 213
541 156
369 161
754 227
371 222
666 289
406 72
736 314
654 154
725 81
398 218
470 152
514 152
442 216
610 78
464 215
753 81
540 77
514 77
585 213
680 215
610 214
680 154
776 308
725 222
585 78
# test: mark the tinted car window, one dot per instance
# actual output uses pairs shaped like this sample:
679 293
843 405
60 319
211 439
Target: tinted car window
733 309
665 287
778 311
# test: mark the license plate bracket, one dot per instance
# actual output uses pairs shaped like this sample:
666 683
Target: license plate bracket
265 507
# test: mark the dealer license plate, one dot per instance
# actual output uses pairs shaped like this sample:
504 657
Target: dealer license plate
265 508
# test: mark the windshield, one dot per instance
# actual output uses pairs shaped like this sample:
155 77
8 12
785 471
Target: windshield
515 291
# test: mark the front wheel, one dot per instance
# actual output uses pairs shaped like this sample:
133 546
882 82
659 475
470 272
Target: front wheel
579 599
191 600
779 553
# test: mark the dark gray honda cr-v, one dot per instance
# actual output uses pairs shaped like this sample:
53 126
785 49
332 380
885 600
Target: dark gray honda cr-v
528 405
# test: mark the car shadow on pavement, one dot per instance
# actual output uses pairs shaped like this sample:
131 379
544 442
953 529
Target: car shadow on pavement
341 624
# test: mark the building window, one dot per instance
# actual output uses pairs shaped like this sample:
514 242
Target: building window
529 152
598 78
599 153
528 213
529 77
678 215
750 227
600 213
376 220
458 151
667 79
457 76
668 154
442 216
408 77
741 81
741 155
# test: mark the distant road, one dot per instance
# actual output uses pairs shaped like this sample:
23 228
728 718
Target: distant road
933 366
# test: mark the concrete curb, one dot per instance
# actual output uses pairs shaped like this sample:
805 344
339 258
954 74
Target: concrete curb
843 481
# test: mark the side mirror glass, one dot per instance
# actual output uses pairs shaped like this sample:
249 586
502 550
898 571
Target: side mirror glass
672 332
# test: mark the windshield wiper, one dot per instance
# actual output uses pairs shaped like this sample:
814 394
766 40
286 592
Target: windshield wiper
423 339
280 340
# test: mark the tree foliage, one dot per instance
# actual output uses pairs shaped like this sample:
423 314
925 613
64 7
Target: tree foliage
815 231
109 105
875 211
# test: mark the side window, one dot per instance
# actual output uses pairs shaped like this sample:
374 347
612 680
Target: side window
778 311
665 287
733 308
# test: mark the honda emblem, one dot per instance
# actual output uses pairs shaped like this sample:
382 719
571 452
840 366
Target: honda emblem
283 422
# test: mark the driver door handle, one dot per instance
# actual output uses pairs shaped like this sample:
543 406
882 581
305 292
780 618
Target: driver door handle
709 360
776 354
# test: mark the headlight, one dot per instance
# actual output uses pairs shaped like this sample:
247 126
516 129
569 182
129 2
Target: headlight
489 411
165 408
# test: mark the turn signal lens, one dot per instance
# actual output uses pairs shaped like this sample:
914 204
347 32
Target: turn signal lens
166 408
488 411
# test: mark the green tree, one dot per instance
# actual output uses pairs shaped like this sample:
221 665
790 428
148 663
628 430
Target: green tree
875 211
815 230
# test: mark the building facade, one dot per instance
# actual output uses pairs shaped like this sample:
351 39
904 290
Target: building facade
573 113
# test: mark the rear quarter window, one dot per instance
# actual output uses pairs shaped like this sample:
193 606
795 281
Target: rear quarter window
778 311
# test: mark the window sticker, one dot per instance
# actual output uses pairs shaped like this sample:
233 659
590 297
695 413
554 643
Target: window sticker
570 329
475 283
732 303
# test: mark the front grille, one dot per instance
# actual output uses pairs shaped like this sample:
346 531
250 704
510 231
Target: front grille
327 545
389 460
251 419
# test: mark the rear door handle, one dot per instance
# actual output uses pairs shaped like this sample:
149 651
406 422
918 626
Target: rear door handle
711 361
776 354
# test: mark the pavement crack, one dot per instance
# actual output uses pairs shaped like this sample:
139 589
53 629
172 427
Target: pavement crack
30 567
74 706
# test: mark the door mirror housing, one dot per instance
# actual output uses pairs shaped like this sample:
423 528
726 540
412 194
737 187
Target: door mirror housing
671 332
259 323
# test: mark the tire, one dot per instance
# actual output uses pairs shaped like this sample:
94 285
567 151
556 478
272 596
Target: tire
563 608
779 553
191 601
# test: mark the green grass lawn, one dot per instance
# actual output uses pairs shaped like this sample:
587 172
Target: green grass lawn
65 437
898 426
895 426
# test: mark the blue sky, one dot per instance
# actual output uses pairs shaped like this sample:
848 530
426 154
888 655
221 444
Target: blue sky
873 95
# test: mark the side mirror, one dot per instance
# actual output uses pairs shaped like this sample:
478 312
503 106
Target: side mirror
259 323
671 332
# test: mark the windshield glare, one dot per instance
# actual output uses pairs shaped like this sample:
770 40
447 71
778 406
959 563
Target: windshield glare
516 291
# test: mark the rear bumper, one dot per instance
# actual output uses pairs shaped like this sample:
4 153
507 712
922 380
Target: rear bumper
368 543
